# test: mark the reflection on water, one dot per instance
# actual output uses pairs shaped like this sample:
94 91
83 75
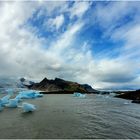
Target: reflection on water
63 116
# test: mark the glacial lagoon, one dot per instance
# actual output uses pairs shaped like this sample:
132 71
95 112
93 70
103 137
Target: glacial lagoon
65 116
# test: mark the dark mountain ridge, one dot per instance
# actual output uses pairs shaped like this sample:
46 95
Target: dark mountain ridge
60 85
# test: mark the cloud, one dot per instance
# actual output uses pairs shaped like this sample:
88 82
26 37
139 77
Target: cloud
55 23
107 15
48 7
22 50
123 70
79 8
24 53
66 39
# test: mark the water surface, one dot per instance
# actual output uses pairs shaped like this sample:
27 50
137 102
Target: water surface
65 116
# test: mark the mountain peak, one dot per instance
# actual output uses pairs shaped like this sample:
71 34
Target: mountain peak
58 85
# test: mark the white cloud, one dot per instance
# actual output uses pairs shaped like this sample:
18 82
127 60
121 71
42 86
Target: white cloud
13 38
66 39
123 70
79 8
129 33
50 6
22 53
55 23
110 15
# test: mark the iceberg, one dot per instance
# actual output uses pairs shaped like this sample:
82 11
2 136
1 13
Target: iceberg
5 100
29 94
127 102
12 103
28 107
38 95
77 94
112 94
82 96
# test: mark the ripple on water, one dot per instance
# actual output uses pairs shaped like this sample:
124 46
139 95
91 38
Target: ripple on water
63 116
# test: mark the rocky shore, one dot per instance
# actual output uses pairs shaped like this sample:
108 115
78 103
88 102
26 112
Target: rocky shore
130 95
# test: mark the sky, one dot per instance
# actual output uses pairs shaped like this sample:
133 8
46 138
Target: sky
93 42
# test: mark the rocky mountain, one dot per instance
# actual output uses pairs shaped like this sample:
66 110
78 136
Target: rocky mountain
60 85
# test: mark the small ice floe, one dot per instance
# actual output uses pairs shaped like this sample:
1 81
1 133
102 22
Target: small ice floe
112 94
38 94
107 96
127 103
77 94
29 94
5 100
13 103
28 107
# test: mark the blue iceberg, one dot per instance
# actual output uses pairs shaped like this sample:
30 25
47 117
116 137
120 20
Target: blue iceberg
77 94
12 103
127 102
5 100
29 94
28 107
38 95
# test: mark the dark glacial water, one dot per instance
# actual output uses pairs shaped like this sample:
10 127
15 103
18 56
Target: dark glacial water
65 116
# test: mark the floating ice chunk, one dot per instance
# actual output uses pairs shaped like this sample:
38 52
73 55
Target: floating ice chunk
38 95
83 95
29 94
12 103
107 96
25 95
18 99
127 103
112 94
5 100
76 94
28 107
